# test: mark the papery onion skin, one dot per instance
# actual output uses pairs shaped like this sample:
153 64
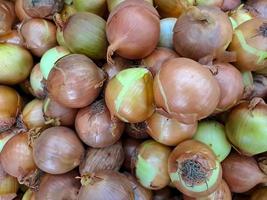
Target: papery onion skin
60 187
12 38
169 131
239 16
130 146
36 82
58 150
242 173
113 3
166 32
5 136
17 67
96 127
260 6
129 95
75 81
151 168
249 139
8 16
97 7
207 21
229 5
20 12
198 97
194 169
250 45
39 35
124 22
137 130
259 194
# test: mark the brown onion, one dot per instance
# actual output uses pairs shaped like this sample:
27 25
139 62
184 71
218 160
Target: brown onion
194 169
7 19
202 31
113 3
39 35
186 90
12 38
130 147
96 127
260 7
36 82
56 114
58 187
10 106
155 60
259 194
137 130
169 131
6 136
58 150
230 5
108 158
106 185
75 81
242 173
126 33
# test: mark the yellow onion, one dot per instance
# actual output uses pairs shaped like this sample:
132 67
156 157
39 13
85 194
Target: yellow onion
17 67
114 3
7 19
166 32
36 82
97 7
129 95
240 15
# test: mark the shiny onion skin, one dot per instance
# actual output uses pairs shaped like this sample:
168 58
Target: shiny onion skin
231 85
17 67
229 5
58 150
259 194
242 173
108 158
113 3
7 10
194 169
126 33
155 60
106 185
75 81
12 38
36 82
96 127
57 114
207 22
58 187
10 106
254 116
168 131
240 15
151 167
260 7
130 146
186 90
137 130
20 12
250 44
39 35
129 95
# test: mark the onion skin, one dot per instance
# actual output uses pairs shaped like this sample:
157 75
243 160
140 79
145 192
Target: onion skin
260 86
217 3
151 165
20 12
198 97
229 5
240 15
58 150
129 95
97 7
242 137
165 193
113 3
75 84
39 35
207 21
96 127
242 173
60 187
259 194
7 10
207 175
248 84
137 130
36 82
12 38
127 19
260 7
68 10
130 146
169 132
166 32
17 67
5 136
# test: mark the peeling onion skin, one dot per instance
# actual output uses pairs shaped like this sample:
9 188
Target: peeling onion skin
7 11
194 169
240 15
198 97
260 6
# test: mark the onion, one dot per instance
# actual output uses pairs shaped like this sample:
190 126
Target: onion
217 3
17 67
202 31
39 35
250 44
7 10
50 57
6 136
130 146
186 90
10 106
229 5
137 130
91 40
129 95
242 173
213 134
59 187
248 84
231 85
58 150
163 194
68 10
42 8
96 127
260 7
113 3
194 169
97 7
126 33
240 15
12 38
75 81
108 158
169 131
20 12
259 194
246 127
36 82
56 114
155 60
151 167
166 32
106 185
